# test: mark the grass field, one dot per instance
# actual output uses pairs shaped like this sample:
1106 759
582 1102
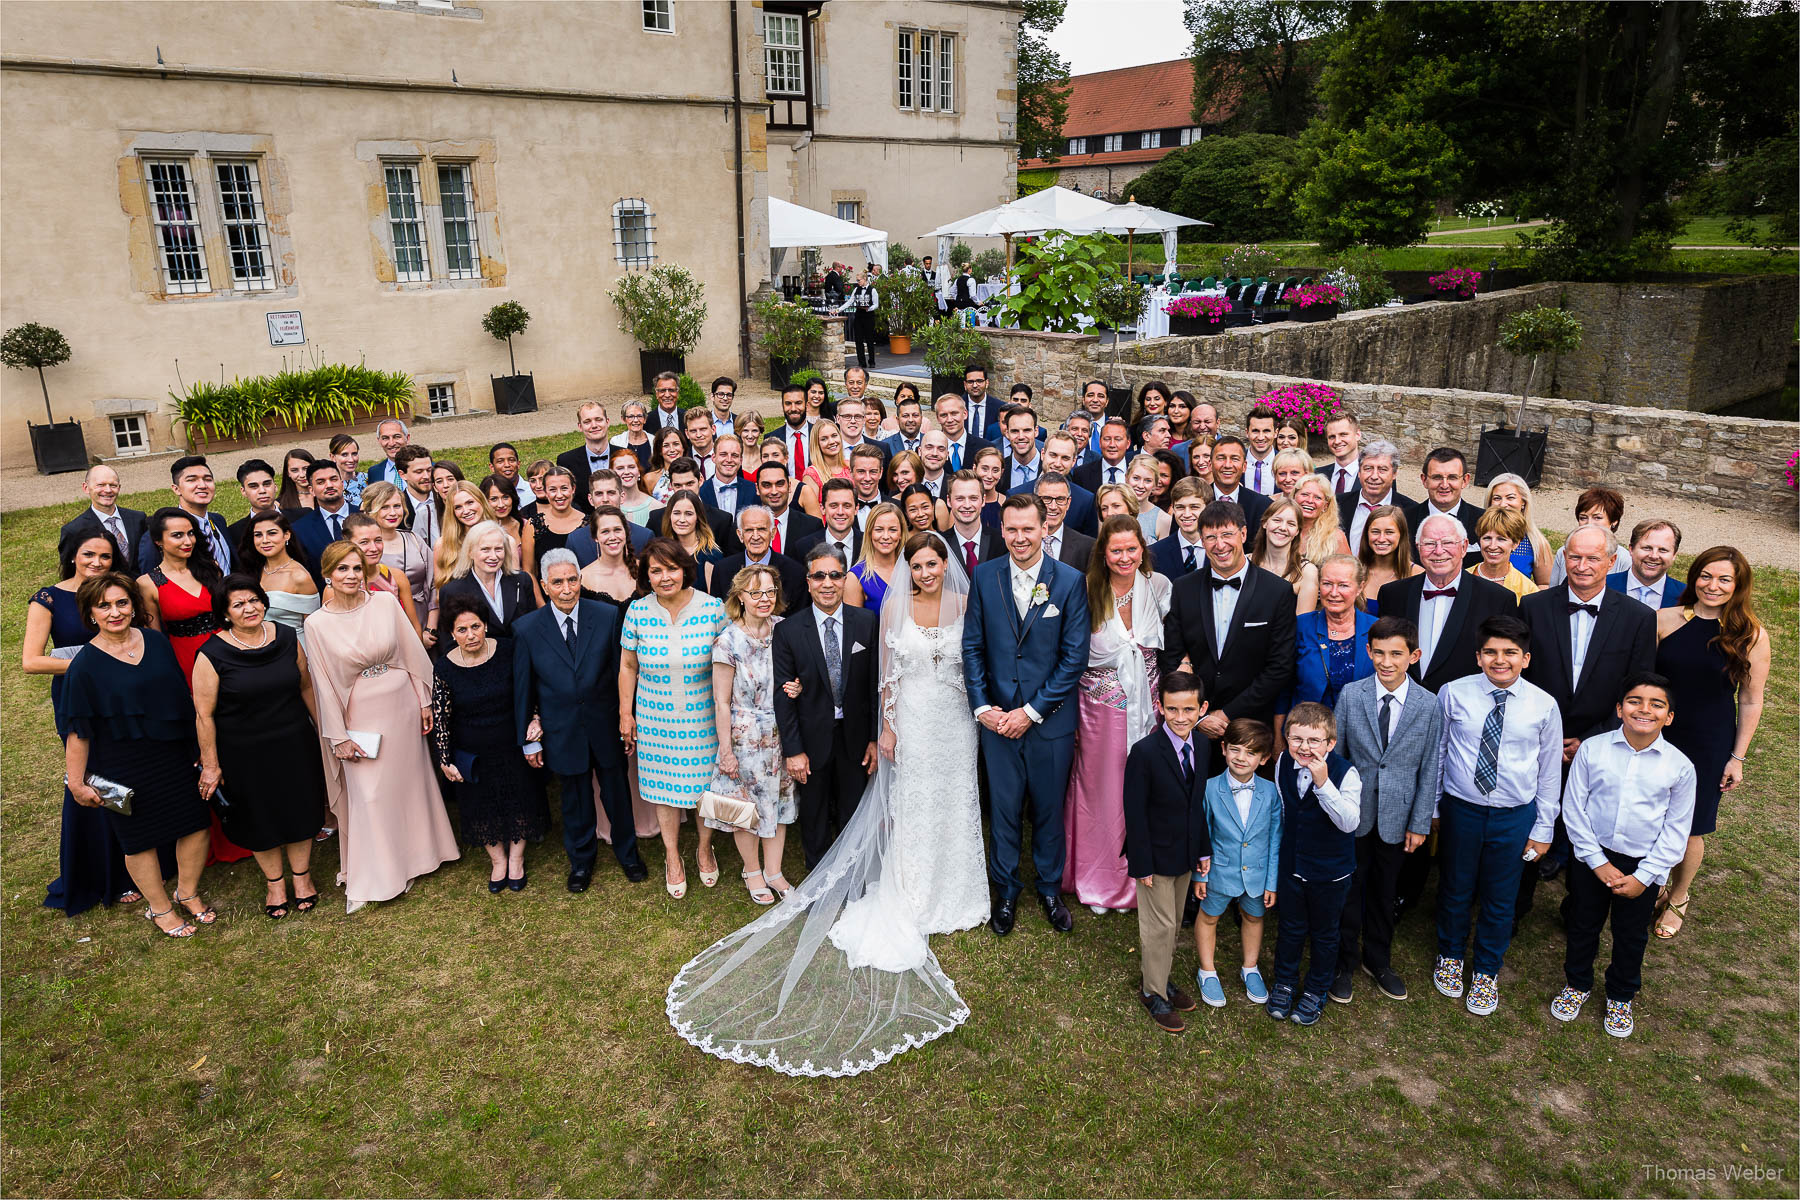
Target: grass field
1460 250
452 1042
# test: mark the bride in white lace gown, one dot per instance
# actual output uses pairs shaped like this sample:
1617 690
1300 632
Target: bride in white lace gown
839 977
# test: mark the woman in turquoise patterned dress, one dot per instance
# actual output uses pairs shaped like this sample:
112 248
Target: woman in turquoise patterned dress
666 699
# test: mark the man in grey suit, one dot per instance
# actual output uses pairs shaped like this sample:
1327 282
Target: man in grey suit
1391 729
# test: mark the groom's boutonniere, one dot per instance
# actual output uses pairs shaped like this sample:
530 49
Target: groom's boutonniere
1039 595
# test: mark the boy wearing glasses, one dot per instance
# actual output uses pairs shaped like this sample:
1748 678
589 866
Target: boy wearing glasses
1321 805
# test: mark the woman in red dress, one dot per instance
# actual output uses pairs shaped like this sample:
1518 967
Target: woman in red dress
178 598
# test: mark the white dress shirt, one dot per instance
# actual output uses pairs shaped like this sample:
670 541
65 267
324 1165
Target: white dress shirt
911 443
1225 602
1341 801
1581 632
820 616
1432 615
343 512
936 486
565 621
1360 517
1266 484
1111 472
114 525
1053 545
1638 803
1024 473
1343 477
843 543
725 496
780 541
1648 594
425 518
960 455
1242 794
797 438
1182 546
493 594
1530 757
1399 697
1024 581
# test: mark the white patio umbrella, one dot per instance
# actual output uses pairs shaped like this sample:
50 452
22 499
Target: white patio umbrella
1132 219
1052 208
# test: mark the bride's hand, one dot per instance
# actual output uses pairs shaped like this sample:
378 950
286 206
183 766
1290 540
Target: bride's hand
886 744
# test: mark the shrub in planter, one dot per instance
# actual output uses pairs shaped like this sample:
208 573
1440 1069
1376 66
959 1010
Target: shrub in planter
804 378
1314 301
788 332
664 310
960 255
1458 283
1536 331
56 448
691 395
948 346
910 303
1060 277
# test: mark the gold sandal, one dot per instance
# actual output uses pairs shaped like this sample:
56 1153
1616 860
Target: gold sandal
1663 931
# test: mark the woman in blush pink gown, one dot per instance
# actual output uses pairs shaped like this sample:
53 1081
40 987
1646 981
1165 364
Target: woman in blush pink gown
1127 603
371 675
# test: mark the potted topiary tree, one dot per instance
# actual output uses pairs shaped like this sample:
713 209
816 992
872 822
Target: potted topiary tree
948 347
513 393
911 305
788 332
1536 331
664 310
1118 304
56 448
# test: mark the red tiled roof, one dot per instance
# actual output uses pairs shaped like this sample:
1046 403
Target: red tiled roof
1128 100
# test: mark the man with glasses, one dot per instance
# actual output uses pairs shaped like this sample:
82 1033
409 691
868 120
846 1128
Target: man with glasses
827 731
724 394
1445 603
1059 454
1062 543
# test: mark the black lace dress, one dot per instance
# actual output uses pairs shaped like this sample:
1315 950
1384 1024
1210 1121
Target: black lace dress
473 730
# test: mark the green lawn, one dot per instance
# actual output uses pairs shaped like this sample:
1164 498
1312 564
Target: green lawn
1711 231
1458 250
456 1043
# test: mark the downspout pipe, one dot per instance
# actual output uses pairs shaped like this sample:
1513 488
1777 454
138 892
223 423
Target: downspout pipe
737 173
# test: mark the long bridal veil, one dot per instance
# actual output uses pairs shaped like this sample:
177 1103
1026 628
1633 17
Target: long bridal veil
838 978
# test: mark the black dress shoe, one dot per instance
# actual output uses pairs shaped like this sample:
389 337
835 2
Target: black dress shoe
496 886
517 885
1003 916
1387 982
579 879
1057 913
1342 985
636 872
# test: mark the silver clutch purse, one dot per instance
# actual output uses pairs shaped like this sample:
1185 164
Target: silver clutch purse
115 796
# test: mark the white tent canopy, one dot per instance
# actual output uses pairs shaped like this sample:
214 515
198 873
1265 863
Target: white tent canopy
790 226
1060 208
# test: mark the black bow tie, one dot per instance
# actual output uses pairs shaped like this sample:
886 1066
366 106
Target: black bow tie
1218 583
1592 610
1434 593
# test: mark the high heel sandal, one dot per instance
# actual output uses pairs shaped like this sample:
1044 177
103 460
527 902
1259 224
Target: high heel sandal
205 916
1663 932
676 890
186 930
709 878
280 908
763 894
779 883
305 903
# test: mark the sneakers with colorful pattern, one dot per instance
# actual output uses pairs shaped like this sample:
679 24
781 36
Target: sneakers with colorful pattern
1448 976
1618 1018
1567 1005
1484 994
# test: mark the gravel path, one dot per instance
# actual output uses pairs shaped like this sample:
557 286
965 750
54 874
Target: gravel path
1765 540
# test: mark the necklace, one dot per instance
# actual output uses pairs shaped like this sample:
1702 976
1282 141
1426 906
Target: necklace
262 645
124 645
1124 599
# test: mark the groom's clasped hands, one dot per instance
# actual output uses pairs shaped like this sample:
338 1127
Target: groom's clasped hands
1014 724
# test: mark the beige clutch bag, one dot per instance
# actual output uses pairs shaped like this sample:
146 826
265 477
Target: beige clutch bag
727 810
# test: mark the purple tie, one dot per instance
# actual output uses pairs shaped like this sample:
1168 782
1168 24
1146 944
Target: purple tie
1343 479
1258 483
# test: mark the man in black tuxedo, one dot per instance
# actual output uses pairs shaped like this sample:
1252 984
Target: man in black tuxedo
1115 455
697 427
774 487
953 415
1234 625
666 413
983 410
971 541
103 517
1183 550
1228 457
566 673
755 526
192 482
1376 470
1446 476
593 453
684 475
827 731
868 464
728 491
1447 604
1586 641
838 505
1065 545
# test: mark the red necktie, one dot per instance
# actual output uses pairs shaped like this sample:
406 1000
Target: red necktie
775 541
969 557
1343 480
799 453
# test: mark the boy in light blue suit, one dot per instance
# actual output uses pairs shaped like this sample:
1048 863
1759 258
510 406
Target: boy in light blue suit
1243 817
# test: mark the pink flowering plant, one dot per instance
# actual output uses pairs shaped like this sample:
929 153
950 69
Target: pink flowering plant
1315 404
1212 308
1461 280
1308 295
1792 476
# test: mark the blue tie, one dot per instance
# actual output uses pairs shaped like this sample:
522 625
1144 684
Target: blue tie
1487 759
956 458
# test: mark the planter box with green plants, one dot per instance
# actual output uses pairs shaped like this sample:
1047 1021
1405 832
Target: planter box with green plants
1201 316
948 347
789 331
664 311
513 393
220 416
910 303
1314 301
55 448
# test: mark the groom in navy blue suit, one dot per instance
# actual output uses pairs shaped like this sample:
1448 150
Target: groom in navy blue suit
1025 645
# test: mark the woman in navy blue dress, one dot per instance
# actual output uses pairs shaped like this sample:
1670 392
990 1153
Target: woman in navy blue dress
92 864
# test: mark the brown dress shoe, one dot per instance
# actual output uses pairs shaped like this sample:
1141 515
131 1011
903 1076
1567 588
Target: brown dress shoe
1179 1000
1166 1018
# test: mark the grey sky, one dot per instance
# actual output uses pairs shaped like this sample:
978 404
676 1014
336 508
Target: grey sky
1099 35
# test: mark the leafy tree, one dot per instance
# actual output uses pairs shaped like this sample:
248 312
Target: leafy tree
1594 114
1238 183
1043 83
1261 58
1373 186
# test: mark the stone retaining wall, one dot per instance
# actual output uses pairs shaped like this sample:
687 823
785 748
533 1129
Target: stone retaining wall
1698 347
1052 363
1734 462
